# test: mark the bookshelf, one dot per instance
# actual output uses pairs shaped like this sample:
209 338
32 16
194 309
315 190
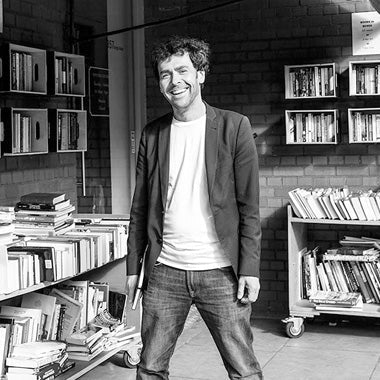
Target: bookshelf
310 81
25 131
66 73
23 69
111 272
364 78
300 308
363 125
26 70
311 126
68 130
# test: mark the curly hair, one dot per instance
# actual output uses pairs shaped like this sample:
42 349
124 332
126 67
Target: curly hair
199 52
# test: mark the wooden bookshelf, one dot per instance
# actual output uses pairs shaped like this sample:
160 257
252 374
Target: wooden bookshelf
66 74
68 130
310 81
363 125
25 131
364 78
23 69
311 126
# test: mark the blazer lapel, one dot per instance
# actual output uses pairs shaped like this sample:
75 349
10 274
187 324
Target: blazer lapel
163 156
211 146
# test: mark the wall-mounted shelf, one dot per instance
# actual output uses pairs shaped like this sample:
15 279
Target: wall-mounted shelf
364 78
66 74
364 125
68 130
311 126
23 69
25 131
310 81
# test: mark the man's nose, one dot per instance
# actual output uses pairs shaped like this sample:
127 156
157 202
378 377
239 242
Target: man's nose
175 78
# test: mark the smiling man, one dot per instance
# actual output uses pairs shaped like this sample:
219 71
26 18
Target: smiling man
195 217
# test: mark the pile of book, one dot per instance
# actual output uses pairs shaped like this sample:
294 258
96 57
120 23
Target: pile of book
102 333
7 216
335 203
43 214
330 300
85 344
38 360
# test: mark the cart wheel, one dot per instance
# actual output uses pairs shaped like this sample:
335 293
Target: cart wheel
130 362
294 332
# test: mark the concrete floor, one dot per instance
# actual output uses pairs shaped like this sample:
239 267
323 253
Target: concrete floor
347 350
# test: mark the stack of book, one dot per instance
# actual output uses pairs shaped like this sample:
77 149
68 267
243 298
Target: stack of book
86 344
43 214
330 300
38 360
335 203
7 216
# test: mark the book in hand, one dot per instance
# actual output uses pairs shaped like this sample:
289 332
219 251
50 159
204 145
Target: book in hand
341 299
41 198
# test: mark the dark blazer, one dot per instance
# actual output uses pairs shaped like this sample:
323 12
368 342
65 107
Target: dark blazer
233 186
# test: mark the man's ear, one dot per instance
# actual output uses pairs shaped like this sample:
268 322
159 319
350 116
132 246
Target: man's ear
201 76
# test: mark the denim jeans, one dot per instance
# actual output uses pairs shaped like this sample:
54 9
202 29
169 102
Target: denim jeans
166 303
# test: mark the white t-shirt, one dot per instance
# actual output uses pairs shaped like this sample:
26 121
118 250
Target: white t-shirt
190 241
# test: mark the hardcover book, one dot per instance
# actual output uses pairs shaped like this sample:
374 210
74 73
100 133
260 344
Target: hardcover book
48 198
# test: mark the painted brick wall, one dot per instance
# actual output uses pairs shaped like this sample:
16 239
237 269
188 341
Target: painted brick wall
45 24
252 41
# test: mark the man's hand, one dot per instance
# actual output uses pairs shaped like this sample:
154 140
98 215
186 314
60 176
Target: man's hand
248 289
130 287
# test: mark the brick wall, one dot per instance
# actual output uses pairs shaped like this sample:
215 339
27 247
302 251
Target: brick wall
252 41
46 24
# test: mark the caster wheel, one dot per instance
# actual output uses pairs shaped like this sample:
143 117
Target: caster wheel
294 332
130 362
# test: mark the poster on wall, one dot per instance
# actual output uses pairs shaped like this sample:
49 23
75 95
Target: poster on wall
365 33
98 83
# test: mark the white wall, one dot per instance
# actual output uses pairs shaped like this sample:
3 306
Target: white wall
127 96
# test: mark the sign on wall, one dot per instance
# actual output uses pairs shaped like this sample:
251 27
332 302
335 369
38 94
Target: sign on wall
98 91
365 33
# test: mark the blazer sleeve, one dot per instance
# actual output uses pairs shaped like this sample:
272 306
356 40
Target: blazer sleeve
137 231
246 169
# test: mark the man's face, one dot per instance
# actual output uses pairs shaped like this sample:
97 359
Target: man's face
180 82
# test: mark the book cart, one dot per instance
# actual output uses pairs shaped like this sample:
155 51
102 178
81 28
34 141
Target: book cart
300 308
112 273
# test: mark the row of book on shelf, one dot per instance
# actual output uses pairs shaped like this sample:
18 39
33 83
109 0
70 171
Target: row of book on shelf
312 81
41 241
365 126
335 203
342 277
21 133
366 78
65 76
47 332
311 127
21 71
68 130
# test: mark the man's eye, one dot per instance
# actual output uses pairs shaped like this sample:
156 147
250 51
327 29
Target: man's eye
183 71
163 76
